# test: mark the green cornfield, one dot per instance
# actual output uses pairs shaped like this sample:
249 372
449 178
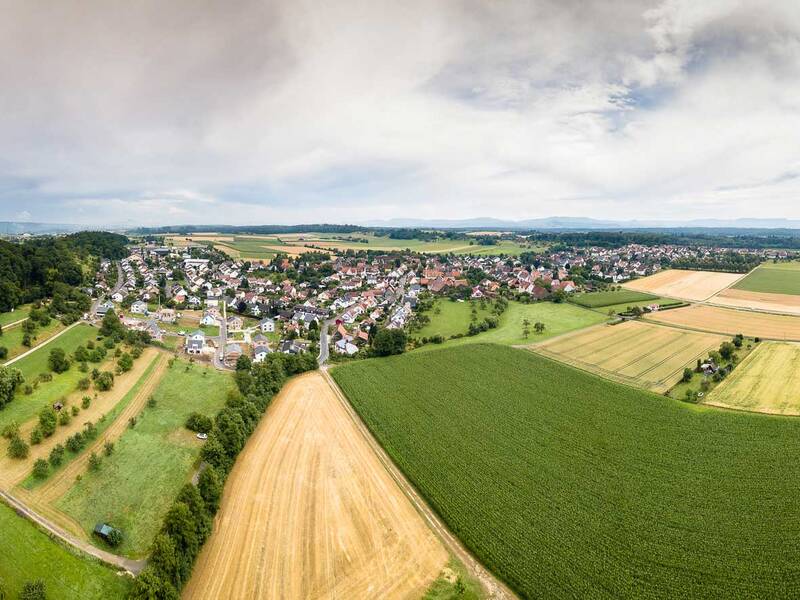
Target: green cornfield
570 486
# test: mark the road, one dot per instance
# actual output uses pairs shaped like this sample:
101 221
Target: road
324 345
127 564
117 287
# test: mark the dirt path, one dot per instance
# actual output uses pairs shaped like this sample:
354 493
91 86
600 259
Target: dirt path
493 587
44 343
60 483
310 512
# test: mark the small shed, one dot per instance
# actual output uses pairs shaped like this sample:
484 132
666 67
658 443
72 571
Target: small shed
104 531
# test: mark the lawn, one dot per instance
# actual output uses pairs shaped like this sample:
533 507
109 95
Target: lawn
135 486
12 338
29 554
25 407
570 486
452 317
557 318
612 297
21 312
773 279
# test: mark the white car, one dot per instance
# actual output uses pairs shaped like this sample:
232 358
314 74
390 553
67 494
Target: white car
202 436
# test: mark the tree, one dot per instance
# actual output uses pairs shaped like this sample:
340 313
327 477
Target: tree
125 363
539 327
104 381
199 423
727 350
687 375
33 590
111 327
27 341
56 456
3 352
36 436
40 468
17 448
243 363
389 341
48 419
58 361
10 380
210 487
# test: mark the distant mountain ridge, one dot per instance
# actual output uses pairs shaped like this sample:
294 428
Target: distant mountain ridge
20 228
588 223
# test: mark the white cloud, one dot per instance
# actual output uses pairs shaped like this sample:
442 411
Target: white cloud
348 111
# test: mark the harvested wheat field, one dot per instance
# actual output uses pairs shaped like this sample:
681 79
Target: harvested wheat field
310 512
731 321
767 381
764 301
684 285
636 353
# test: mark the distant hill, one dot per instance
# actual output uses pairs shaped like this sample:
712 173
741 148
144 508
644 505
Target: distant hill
17 228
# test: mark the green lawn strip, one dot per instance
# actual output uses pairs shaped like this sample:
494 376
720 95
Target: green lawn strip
558 318
12 338
452 318
771 280
23 407
28 553
455 583
570 486
19 313
32 482
611 297
136 485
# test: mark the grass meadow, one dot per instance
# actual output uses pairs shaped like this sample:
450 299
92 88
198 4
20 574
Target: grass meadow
570 486
135 486
773 279
28 553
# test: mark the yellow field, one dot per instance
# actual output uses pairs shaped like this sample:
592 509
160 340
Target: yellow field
731 322
764 301
310 512
766 381
684 285
636 353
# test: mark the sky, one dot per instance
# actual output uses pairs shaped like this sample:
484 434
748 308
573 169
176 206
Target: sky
267 112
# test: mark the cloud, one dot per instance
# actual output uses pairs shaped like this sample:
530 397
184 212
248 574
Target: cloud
348 111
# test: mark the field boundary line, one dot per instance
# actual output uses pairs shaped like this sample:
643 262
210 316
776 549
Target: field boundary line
494 587
42 345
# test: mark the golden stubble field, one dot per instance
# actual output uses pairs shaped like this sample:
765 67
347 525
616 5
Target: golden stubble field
684 285
731 321
636 353
767 381
310 512
762 301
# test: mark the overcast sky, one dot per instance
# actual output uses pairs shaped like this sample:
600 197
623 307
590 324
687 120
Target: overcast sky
278 112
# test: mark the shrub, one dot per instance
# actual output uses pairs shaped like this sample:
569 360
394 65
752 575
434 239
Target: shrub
115 537
104 381
108 447
58 361
64 417
36 436
10 430
86 401
75 411
90 431
151 402
94 462
45 377
84 383
3 352
48 420
17 448
75 442
56 456
199 423
33 590
40 468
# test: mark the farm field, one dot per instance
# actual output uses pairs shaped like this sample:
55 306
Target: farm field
730 321
12 316
612 297
636 353
30 554
772 279
763 301
310 512
766 381
562 481
684 285
23 407
558 319
135 486
453 318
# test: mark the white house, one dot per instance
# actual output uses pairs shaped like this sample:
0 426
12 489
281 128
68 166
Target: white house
209 319
260 353
196 342
345 347
139 308
267 325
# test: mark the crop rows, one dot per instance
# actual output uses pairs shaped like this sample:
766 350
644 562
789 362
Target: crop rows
600 299
567 485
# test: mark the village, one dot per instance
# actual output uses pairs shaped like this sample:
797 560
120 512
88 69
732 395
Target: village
210 307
